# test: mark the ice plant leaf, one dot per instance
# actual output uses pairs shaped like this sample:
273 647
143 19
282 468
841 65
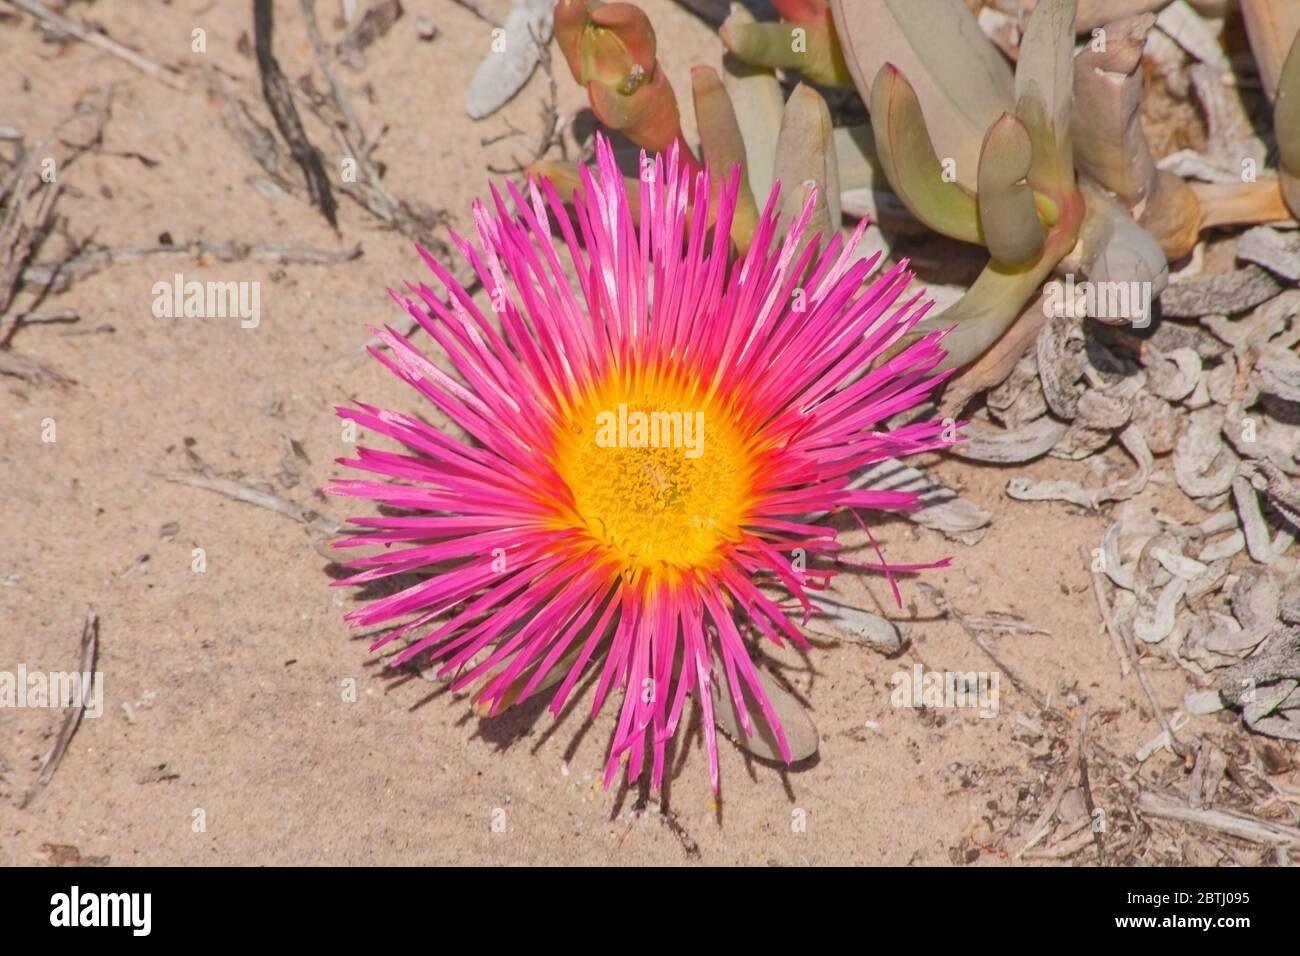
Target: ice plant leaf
626 436
994 301
1286 126
1172 215
1109 143
804 41
805 163
905 152
1008 217
1044 89
1271 27
1114 248
1242 203
962 81
758 103
567 180
723 148
610 49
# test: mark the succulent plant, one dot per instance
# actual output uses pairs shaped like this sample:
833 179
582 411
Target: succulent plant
610 49
987 156
1045 165
742 118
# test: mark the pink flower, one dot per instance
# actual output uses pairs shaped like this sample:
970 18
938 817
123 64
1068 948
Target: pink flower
626 462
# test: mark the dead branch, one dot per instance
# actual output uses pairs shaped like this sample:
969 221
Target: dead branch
72 720
279 99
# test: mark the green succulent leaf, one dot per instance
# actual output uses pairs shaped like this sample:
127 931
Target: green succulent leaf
1044 83
961 79
981 316
1271 28
908 158
723 148
805 157
810 51
756 98
1008 217
1286 115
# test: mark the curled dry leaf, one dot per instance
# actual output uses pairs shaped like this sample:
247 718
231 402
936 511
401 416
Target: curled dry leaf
1203 465
1277 372
1256 596
1026 489
1019 399
1258 544
1060 365
1172 376
1158 421
1184 26
1011 445
1276 251
1266 686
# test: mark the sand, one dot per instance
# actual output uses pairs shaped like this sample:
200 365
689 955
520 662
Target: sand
228 735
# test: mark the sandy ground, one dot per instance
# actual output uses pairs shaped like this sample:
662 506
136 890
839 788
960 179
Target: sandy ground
233 680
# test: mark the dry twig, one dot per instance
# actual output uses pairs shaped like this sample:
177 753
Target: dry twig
72 720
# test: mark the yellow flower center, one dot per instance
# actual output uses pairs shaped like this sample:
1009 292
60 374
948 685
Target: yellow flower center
659 473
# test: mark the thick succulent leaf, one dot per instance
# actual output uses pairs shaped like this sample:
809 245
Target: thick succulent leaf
569 20
961 80
1286 124
1008 217
987 310
1113 248
648 115
1271 27
1044 84
1109 143
1099 13
908 158
805 157
564 177
811 51
756 98
996 299
723 148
